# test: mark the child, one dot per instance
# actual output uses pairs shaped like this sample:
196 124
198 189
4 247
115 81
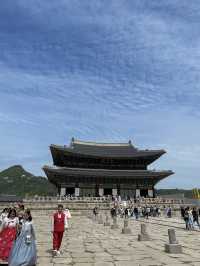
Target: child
58 228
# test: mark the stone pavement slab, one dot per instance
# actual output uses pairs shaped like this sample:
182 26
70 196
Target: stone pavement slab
89 243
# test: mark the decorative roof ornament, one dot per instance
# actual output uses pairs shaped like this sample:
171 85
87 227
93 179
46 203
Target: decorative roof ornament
72 142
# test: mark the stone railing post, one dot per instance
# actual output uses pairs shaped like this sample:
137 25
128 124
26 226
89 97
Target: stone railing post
173 246
143 236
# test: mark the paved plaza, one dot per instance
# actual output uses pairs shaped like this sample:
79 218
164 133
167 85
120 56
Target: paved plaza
89 243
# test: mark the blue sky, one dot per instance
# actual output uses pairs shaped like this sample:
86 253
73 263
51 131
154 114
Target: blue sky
104 71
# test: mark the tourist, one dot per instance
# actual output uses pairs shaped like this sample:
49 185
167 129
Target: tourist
24 248
8 233
158 211
169 212
136 213
139 211
182 212
126 213
95 212
151 211
121 212
191 224
67 217
20 212
147 212
195 216
113 212
58 228
3 215
119 199
186 218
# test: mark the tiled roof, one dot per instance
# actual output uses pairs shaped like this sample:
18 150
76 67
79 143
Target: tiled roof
112 150
105 172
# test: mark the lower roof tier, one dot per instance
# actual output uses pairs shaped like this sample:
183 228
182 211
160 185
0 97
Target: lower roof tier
55 174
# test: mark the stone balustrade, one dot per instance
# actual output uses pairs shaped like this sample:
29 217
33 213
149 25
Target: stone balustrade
102 199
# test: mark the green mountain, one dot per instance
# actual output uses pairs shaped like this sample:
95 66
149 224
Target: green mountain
17 181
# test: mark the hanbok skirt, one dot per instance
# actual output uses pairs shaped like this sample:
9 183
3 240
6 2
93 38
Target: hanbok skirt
22 253
7 237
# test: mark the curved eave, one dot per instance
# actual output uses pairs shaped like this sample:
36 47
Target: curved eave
150 155
65 171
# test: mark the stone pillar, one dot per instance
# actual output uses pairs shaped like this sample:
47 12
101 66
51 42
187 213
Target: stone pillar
173 246
62 191
126 229
144 235
114 191
77 191
150 193
137 193
101 192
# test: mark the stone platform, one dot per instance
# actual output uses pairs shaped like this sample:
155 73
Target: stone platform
89 243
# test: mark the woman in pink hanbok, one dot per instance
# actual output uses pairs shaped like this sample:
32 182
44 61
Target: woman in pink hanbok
8 233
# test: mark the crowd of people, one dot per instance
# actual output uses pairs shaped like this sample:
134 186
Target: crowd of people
191 217
17 235
136 212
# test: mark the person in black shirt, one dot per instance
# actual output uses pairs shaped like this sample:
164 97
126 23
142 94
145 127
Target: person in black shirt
182 212
95 212
195 216
136 212
113 212
186 218
126 213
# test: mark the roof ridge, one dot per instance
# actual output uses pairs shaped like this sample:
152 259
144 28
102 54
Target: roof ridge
93 143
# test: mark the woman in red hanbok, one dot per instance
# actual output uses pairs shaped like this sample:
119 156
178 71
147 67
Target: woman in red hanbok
8 234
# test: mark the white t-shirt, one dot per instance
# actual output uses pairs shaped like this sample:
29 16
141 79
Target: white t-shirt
9 222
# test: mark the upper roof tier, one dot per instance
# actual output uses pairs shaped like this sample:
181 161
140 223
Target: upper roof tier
113 151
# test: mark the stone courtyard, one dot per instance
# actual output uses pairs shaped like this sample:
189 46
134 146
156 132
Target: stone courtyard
89 243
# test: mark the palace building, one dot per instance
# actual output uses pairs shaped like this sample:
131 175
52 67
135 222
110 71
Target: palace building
99 169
